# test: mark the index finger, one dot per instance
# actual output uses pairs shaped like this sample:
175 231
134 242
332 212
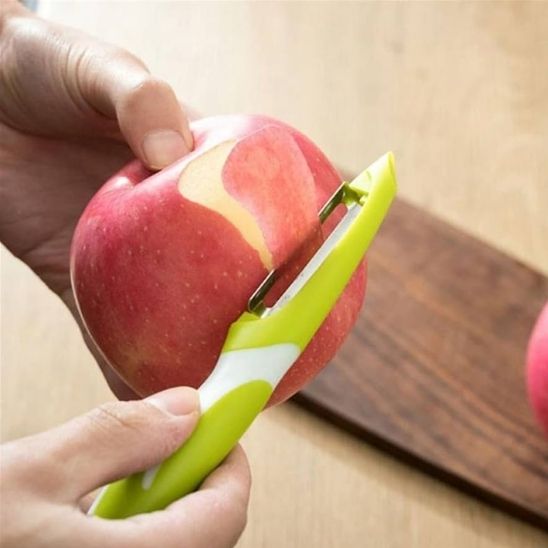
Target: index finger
151 119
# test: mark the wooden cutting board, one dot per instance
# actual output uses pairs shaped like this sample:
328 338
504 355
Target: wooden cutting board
434 369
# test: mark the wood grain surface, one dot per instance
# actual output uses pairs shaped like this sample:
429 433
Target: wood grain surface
458 91
433 370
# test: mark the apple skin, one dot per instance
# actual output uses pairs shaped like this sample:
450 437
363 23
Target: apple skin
537 369
162 264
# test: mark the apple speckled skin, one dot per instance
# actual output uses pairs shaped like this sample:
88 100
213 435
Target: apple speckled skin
163 263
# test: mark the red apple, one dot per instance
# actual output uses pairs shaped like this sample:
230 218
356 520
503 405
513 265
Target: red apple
163 263
537 369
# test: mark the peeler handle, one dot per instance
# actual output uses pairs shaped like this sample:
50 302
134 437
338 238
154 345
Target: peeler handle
231 397
217 432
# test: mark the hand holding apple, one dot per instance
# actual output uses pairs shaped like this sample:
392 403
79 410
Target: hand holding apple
66 119
163 263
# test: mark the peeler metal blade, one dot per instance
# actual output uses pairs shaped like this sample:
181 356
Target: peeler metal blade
345 195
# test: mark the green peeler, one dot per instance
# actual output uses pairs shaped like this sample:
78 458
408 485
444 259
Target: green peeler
260 347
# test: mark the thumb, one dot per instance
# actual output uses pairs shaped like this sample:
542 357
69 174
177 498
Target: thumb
118 439
150 117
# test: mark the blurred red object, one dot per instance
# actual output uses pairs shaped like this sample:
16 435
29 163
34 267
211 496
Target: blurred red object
537 368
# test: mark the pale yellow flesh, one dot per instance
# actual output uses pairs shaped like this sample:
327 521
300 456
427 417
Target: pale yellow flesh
201 182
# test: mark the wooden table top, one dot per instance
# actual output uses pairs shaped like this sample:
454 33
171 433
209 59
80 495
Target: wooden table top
458 91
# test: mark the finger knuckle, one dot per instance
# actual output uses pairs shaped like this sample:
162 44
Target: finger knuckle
148 87
234 509
111 418
240 508
115 56
128 422
128 58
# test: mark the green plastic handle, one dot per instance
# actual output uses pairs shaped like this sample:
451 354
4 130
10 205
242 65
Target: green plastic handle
216 434
289 326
